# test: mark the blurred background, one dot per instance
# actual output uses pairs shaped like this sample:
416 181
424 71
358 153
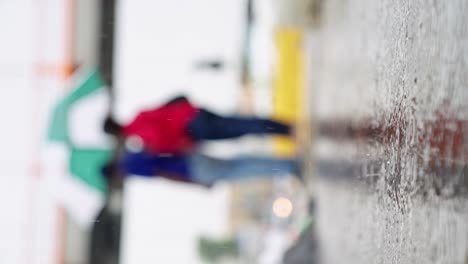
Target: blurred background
377 91
219 53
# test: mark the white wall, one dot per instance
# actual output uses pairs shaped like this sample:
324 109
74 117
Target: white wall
158 42
163 220
31 45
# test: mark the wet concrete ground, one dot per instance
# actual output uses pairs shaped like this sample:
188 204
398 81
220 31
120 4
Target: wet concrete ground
389 82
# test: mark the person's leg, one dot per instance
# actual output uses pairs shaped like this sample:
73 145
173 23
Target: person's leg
208 126
208 170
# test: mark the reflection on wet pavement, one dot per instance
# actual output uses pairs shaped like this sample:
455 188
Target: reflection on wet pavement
391 106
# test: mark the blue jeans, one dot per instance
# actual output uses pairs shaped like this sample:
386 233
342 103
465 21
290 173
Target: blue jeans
207 125
207 170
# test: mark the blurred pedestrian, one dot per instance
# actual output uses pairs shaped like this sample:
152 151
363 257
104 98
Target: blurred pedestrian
199 168
178 125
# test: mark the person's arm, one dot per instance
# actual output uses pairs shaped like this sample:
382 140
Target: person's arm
176 177
177 99
170 175
174 100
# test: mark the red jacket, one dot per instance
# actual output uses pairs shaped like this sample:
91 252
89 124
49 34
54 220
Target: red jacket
164 129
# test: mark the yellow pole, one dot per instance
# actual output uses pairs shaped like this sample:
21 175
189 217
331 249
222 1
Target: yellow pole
288 95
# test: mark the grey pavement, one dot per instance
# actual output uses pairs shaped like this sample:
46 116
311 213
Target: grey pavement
399 67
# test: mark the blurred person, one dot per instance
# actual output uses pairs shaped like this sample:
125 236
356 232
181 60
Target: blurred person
178 125
199 168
